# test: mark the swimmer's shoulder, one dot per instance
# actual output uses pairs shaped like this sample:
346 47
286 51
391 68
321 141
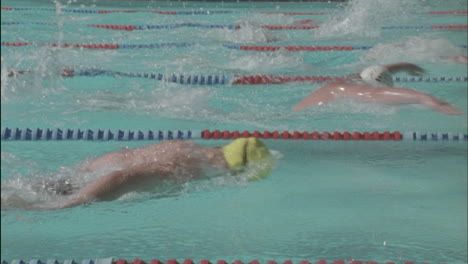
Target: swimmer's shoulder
174 144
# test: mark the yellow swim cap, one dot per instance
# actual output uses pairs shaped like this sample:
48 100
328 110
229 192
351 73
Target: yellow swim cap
251 151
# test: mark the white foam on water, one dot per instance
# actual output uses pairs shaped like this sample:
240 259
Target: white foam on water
268 19
247 33
168 100
42 73
364 18
267 62
414 48
29 182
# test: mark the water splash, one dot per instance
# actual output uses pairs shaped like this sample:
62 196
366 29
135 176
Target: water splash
364 18
168 101
25 181
412 49
4 80
268 62
268 19
247 33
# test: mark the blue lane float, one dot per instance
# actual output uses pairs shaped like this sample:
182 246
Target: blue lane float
37 134
174 78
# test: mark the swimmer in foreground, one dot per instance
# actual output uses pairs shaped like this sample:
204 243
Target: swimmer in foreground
175 161
375 84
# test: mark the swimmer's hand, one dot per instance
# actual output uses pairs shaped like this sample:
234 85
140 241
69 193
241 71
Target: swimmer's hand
409 68
14 202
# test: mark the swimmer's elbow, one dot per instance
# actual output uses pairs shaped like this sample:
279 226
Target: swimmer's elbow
299 107
296 108
71 203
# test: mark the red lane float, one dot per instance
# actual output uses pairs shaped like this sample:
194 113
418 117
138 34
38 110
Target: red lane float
114 27
451 12
295 13
451 26
217 134
288 27
276 79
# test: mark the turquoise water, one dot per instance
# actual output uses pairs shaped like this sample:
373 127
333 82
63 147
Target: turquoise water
380 201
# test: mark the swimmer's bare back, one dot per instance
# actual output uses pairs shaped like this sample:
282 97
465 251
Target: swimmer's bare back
144 168
385 95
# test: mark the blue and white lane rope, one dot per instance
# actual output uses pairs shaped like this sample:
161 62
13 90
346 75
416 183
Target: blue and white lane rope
95 134
57 134
174 78
210 79
229 79
67 261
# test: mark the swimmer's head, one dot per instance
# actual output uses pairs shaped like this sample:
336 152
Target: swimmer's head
377 76
248 151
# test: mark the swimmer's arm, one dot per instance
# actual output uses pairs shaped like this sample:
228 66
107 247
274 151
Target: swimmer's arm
409 68
106 188
111 186
66 72
14 201
458 58
320 96
118 183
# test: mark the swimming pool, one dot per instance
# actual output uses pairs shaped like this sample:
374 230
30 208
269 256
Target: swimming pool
348 200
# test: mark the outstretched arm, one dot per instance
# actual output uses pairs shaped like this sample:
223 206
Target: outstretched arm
409 68
408 96
14 201
106 188
118 183
320 96
458 58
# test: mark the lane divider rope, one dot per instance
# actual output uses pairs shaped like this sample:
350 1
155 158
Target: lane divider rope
302 48
37 134
91 11
229 79
269 27
233 27
166 26
277 79
189 44
448 12
296 13
103 45
188 261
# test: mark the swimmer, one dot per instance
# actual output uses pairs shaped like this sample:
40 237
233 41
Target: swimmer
375 84
175 161
66 72
457 58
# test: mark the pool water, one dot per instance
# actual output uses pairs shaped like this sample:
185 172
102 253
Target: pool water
379 201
